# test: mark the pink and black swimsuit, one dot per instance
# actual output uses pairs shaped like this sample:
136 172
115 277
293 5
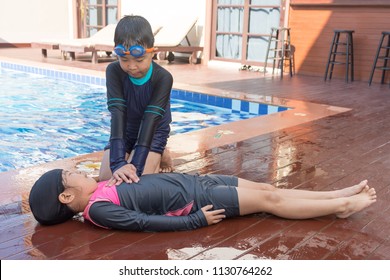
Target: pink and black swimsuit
162 202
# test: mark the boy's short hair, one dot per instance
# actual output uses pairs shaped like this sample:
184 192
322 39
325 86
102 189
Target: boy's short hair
44 202
134 30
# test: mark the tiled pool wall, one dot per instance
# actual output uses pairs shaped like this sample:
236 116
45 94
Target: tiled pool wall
86 79
235 105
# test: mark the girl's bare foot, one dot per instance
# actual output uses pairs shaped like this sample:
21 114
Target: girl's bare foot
358 202
350 191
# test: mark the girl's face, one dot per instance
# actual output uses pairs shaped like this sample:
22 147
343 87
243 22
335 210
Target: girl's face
80 181
136 67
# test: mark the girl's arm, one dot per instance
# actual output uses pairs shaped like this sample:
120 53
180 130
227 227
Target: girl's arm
109 215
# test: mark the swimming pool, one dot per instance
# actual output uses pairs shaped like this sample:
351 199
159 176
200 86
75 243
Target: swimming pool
44 119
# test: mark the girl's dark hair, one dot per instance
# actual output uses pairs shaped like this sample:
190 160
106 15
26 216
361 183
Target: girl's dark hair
134 30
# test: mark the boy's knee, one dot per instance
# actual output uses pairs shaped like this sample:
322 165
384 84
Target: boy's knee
152 164
104 174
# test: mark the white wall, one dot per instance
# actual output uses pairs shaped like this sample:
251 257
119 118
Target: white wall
23 21
161 12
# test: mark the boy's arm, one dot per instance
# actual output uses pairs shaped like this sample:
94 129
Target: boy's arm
109 215
117 106
153 114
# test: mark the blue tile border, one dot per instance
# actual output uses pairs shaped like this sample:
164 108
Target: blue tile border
235 105
86 79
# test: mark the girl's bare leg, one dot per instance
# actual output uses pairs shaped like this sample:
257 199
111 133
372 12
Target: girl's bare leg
255 201
296 193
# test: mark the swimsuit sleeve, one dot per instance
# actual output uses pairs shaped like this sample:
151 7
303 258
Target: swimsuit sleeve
109 215
162 86
116 104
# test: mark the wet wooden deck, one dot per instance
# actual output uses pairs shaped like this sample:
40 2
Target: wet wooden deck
335 149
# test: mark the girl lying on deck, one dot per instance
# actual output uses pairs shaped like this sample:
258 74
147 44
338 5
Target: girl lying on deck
174 201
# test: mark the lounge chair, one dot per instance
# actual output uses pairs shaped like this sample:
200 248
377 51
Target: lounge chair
83 45
103 40
171 37
46 45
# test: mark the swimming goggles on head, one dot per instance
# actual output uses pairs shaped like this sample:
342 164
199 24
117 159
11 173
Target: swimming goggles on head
136 51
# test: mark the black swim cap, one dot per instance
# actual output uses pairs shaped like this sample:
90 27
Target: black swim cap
44 202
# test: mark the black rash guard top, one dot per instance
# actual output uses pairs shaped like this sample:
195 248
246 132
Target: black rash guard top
162 202
140 114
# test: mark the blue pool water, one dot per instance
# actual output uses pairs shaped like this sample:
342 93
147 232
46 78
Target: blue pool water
43 119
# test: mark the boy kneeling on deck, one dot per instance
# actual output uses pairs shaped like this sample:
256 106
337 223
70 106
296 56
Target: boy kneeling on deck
174 201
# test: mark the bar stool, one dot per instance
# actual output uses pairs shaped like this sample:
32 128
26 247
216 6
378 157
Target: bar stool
385 57
346 51
281 48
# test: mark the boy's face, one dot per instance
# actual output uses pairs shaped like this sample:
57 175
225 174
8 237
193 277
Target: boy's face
136 67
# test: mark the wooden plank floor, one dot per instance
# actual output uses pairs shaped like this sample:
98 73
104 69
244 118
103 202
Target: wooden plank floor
327 153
